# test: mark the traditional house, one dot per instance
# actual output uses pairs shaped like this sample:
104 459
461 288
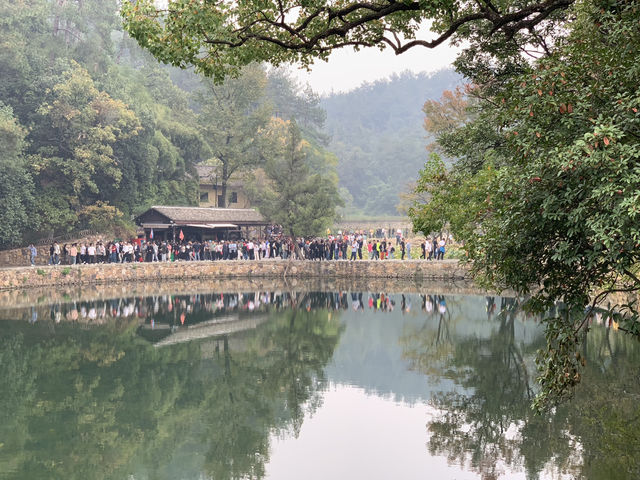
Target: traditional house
198 223
211 189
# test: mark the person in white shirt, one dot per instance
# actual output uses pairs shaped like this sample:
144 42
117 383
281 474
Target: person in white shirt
354 249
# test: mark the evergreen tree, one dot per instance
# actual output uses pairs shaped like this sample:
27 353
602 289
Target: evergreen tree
291 195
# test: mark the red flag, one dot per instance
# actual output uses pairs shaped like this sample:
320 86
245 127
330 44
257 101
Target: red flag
181 236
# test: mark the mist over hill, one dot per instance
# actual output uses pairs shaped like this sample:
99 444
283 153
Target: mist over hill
376 133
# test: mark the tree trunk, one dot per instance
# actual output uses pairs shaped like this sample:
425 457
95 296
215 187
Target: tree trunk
225 176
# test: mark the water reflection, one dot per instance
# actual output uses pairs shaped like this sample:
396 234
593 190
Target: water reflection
102 402
215 385
488 424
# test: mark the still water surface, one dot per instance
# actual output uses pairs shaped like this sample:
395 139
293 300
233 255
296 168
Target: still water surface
303 385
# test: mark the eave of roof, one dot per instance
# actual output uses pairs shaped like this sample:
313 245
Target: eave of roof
205 215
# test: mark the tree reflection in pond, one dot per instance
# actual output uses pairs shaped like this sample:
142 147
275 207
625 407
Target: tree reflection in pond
103 403
488 424
202 386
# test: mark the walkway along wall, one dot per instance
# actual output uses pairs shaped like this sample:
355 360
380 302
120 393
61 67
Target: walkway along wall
61 275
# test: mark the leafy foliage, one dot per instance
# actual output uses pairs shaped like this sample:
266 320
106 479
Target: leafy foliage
557 217
220 38
97 131
93 130
16 188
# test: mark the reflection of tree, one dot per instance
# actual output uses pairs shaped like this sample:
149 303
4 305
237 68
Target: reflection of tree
605 414
489 424
101 403
427 348
266 388
477 427
17 392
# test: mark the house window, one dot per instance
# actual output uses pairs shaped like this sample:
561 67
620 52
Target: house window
204 197
234 197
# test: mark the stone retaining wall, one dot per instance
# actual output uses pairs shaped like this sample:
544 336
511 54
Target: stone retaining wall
60 275
19 257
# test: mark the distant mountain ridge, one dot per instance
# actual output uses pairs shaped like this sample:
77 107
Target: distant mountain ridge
376 133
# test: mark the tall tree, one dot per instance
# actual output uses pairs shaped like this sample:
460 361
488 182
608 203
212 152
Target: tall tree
290 195
551 208
16 188
231 117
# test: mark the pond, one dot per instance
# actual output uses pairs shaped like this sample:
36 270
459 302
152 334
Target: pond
301 381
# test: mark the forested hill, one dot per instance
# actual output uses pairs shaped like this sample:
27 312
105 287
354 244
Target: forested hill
376 132
93 130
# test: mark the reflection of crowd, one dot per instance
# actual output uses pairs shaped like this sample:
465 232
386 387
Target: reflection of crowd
434 303
93 311
176 310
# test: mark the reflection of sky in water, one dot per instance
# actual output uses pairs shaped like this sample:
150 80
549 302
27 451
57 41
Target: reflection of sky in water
372 422
356 435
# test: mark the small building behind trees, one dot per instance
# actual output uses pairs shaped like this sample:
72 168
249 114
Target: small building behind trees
198 223
210 184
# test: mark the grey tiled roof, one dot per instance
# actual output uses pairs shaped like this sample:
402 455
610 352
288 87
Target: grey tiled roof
206 176
205 171
210 215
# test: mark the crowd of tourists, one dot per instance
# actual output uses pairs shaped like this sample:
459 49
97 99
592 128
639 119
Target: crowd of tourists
355 246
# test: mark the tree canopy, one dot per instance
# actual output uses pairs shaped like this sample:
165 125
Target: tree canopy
93 130
218 38
546 194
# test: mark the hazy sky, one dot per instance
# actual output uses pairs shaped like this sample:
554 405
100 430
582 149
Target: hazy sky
347 69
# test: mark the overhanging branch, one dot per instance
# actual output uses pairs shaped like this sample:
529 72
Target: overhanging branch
320 30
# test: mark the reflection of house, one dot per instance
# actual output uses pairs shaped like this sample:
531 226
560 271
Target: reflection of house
201 223
213 328
211 189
